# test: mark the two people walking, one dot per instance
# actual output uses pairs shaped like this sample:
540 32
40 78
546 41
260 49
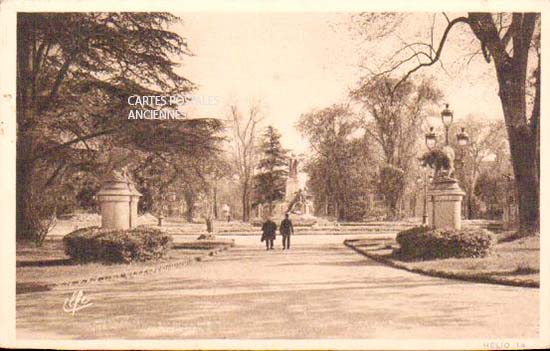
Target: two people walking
269 229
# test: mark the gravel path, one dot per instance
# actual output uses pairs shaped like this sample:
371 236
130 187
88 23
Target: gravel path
318 289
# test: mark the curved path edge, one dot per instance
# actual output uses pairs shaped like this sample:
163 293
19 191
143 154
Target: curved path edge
441 274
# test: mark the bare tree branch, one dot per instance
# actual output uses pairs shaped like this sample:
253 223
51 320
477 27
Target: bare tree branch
437 52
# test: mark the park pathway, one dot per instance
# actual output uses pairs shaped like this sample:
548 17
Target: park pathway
318 289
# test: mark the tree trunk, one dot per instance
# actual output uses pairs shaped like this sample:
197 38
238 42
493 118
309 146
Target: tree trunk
24 229
522 135
215 202
245 202
209 225
470 206
524 162
189 206
523 146
248 207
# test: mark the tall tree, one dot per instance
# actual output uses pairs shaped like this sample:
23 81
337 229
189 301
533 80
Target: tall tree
75 72
393 118
339 171
512 42
245 135
269 182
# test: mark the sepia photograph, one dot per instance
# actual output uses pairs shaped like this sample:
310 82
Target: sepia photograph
274 175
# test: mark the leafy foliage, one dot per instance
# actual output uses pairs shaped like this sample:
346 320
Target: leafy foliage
341 168
394 118
93 244
75 72
392 121
495 191
487 149
423 243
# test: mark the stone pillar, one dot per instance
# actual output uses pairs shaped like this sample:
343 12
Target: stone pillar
114 198
118 200
445 204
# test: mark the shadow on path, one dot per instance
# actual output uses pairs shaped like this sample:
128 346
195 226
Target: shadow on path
24 288
45 263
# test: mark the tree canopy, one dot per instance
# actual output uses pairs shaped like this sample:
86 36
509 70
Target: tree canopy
75 72
340 169
511 42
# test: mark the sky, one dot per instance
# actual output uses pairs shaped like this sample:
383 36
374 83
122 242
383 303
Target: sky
296 62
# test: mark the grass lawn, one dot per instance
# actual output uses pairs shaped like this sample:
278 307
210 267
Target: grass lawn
516 261
48 264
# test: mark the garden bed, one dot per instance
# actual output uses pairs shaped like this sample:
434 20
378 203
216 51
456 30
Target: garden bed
510 263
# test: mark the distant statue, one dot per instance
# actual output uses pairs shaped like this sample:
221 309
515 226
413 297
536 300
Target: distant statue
293 167
299 198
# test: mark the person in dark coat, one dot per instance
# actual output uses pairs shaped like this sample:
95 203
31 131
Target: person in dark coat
268 233
286 229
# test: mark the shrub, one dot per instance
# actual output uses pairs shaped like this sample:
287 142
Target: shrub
423 243
116 246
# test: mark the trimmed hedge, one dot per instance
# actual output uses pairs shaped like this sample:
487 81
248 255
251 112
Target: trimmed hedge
94 244
423 243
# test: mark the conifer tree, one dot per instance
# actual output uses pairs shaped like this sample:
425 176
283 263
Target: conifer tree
269 183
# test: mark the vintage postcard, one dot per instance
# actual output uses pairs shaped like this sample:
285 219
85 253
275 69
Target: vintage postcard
274 175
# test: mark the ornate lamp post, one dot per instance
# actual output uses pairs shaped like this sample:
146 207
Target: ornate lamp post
445 195
430 139
447 119
462 138
424 182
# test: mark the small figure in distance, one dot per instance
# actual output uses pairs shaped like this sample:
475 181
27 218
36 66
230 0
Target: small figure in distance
268 233
286 228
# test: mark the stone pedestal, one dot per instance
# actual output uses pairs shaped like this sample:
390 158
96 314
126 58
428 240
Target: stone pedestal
118 200
445 204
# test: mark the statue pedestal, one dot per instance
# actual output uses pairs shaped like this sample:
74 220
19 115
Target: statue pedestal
445 204
118 200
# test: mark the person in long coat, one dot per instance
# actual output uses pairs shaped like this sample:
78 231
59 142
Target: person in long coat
286 229
269 229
